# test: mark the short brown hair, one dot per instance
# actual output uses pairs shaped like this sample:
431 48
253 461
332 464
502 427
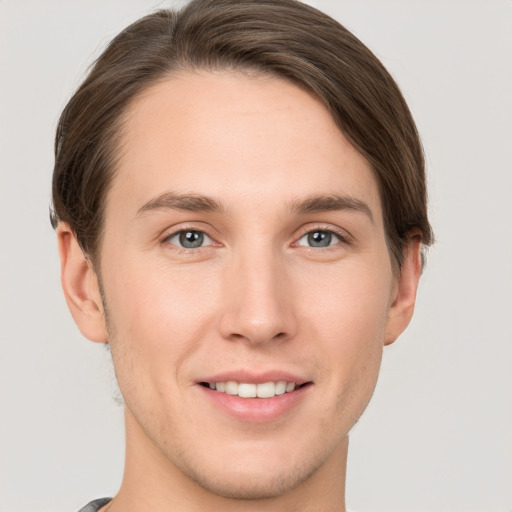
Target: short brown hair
285 38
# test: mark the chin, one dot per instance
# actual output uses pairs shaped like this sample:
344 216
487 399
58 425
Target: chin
246 484
258 471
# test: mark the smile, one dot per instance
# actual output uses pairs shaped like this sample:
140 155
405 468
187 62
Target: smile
249 390
255 398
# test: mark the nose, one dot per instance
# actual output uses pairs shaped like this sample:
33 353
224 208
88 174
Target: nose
258 300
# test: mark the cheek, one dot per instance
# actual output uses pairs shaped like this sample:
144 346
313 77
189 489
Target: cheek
348 323
158 313
351 345
350 304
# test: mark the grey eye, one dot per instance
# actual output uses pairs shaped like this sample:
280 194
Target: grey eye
189 239
319 238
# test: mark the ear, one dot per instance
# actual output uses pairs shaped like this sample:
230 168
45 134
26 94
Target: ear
404 292
81 287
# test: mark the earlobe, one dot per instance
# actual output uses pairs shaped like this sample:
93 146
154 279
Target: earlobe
404 296
81 287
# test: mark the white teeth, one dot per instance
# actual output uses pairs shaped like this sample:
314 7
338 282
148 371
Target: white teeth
266 390
290 386
280 387
247 390
231 387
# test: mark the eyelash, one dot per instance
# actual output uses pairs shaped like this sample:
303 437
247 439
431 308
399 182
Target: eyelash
165 240
342 237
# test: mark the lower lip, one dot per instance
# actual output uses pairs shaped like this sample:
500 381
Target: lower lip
257 410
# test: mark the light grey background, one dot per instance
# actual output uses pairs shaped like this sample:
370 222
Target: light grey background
437 435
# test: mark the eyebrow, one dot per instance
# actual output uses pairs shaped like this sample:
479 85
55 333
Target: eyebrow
331 202
200 203
185 202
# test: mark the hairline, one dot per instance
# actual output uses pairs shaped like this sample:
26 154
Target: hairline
180 70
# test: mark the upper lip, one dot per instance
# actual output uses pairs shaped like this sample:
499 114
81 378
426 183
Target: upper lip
255 377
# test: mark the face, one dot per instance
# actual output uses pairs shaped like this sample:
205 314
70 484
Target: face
244 251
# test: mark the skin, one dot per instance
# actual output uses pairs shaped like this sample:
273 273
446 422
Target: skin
255 296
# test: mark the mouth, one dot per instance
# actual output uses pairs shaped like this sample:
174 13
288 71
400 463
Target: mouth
256 397
268 389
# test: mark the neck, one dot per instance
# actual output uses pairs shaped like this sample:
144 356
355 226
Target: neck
152 482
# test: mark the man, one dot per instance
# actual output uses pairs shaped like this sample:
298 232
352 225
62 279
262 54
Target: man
240 203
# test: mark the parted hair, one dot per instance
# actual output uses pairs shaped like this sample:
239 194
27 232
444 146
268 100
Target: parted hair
284 38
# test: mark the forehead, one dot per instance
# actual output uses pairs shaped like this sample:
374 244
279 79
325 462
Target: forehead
237 137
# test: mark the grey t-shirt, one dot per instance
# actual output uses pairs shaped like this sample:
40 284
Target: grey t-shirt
95 505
